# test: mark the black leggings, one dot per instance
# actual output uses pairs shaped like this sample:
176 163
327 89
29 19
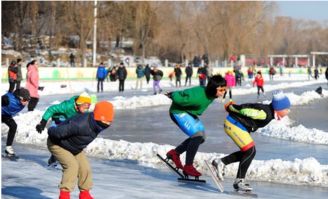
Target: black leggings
260 88
100 85
121 85
230 94
32 103
245 158
10 122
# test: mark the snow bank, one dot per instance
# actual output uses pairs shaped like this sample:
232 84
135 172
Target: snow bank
300 171
280 129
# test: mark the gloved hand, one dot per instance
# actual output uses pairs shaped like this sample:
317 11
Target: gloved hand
168 94
40 127
226 106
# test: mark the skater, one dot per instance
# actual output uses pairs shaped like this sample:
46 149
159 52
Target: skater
63 111
67 141
259 81
202 75
241 121
231 82
11 104
101 75
186 106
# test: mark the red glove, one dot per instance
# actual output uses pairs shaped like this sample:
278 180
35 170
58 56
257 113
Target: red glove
226 106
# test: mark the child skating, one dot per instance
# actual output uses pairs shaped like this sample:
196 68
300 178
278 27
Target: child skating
186 106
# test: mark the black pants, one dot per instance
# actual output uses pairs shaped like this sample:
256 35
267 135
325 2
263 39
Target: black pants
32 103
121 85
147 78
260 88
10 122
188 78
100 85
230 94
178 81
244 158
18 84
12 86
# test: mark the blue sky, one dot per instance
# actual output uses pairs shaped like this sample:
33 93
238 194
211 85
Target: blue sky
313 10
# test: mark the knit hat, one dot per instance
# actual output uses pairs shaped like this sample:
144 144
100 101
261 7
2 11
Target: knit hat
280 101
104 111
84 98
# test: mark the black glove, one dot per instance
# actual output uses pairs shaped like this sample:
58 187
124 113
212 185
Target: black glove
168 94
40 127
40 88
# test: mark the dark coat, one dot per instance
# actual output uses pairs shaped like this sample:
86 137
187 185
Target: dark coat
189 71
122 73
252 124
177 72
76 133
157 75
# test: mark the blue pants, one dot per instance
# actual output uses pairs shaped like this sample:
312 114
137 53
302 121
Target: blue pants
189 124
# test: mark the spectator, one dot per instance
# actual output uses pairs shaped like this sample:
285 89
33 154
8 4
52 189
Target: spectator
72 60
157 76
147 73
309 72
202 75
272 72
101 75
189 72
121 74
231 82
19 73
259 81
12 76
326 73
32 84
140 74
113 74
316 73
178 73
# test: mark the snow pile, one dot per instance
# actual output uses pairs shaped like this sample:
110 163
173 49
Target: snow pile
280 129
140 101
306 97
307 171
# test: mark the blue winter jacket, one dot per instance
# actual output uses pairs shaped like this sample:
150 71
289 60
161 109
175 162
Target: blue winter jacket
75 133
13 107
101 72
140 72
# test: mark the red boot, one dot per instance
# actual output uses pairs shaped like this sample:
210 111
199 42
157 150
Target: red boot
191 171
175 157
85 195
64 195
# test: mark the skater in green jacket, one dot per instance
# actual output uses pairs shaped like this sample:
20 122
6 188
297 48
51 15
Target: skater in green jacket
63 111
186 106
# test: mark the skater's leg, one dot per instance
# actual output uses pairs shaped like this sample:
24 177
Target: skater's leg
245 162
10 122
